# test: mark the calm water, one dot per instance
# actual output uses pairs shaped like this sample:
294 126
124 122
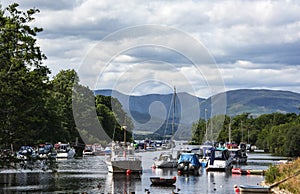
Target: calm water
90 175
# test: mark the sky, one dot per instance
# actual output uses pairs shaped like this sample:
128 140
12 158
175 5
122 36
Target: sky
202 47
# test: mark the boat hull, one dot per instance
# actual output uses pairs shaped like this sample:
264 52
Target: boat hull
123 166
165 164
254 189
162 181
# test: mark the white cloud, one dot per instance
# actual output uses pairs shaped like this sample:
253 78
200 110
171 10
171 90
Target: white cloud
255 43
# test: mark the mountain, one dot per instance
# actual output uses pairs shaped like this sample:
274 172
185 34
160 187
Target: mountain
151 113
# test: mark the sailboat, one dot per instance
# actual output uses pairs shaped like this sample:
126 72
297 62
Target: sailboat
166 159
123 159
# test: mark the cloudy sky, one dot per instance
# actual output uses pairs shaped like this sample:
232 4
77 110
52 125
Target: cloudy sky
201 47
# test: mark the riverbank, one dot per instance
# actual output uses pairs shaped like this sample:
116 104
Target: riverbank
284 178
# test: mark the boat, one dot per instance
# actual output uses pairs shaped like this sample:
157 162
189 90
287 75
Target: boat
238 156
27 153
64 150
166 159
46 151
188 163
247 171
206 151
254 189
163 181
89 150
219 160
123 160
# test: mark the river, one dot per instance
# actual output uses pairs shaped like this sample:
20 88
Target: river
89 175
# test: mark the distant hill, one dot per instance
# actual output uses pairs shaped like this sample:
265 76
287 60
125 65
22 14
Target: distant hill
152 113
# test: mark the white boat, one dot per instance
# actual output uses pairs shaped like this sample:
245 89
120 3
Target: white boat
255 189
64 150
219 160
89 150
166 159
123 160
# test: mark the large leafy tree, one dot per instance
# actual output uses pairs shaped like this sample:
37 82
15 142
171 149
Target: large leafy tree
23 78
62 85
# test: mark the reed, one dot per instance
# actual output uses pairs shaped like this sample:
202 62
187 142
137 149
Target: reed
285 176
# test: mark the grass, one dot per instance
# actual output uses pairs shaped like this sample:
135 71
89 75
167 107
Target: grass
277 173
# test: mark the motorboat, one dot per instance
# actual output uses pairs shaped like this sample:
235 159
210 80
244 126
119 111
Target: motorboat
238 156
165 160
123 160
46 151
64 150
89 150
219 160
188 163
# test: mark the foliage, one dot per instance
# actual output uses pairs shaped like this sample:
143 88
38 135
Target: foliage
289 172
23 78
277 132
34 109
272 174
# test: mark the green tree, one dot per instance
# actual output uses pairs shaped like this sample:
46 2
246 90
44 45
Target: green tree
62 85
23 78
198 132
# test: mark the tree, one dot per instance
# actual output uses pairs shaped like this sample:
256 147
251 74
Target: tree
62 86
23 78
198 132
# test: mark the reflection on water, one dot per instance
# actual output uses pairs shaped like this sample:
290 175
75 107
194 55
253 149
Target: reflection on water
122 183
90 175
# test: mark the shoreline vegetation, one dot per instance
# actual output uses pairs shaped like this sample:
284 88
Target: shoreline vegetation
284 178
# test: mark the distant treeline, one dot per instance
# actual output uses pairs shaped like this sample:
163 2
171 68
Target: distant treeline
278 133
36 109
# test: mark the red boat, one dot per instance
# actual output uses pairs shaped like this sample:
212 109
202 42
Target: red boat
247 172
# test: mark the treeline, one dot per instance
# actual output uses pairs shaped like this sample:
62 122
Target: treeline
36 109
278 133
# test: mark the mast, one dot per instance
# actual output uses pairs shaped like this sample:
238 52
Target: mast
173 119
229 129
205 125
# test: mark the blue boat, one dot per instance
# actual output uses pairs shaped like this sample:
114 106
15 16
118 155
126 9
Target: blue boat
188 163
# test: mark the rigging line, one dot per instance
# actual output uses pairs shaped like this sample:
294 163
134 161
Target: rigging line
168 116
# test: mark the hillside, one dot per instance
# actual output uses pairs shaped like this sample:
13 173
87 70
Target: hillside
151 112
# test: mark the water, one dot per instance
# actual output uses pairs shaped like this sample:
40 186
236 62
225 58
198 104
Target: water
90 175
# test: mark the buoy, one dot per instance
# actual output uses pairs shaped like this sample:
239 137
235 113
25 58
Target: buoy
128 172
236 189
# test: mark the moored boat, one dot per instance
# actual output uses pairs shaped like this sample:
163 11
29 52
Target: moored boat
219 160
247 171
163 181
254 189
188 163
165 160
238 156
89 150
46 151
123 160
64 150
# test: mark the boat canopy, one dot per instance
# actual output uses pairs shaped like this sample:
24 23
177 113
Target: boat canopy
189 157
